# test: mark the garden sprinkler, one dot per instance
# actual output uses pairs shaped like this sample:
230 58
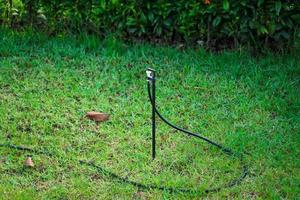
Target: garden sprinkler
151 93
151 80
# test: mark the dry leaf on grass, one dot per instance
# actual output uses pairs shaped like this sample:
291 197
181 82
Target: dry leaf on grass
97 116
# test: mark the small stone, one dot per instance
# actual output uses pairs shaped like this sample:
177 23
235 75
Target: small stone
97 116
28 162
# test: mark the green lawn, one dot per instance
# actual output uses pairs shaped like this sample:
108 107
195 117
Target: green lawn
48 84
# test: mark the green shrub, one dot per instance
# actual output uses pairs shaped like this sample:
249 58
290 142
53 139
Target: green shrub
216 23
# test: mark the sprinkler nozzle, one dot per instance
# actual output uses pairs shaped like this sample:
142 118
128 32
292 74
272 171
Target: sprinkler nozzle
150 74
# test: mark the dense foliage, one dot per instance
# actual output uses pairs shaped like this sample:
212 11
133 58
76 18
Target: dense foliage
216 23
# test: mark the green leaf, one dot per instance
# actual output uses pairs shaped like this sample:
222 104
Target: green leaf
114 2
226 5
216 21
150 16
158 30
277 7
296 17
260 2
143 18
167 23
131 30
243 3
130 21
285 34
42 17
271 27
263 30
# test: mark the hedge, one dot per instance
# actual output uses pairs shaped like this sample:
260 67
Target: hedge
215 23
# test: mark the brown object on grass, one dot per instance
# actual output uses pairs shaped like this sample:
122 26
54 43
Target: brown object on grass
28 162
97 116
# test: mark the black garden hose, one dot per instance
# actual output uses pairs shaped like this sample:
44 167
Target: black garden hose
143 186
227 151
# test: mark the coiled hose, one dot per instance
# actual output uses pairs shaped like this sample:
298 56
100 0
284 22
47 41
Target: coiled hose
143 186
